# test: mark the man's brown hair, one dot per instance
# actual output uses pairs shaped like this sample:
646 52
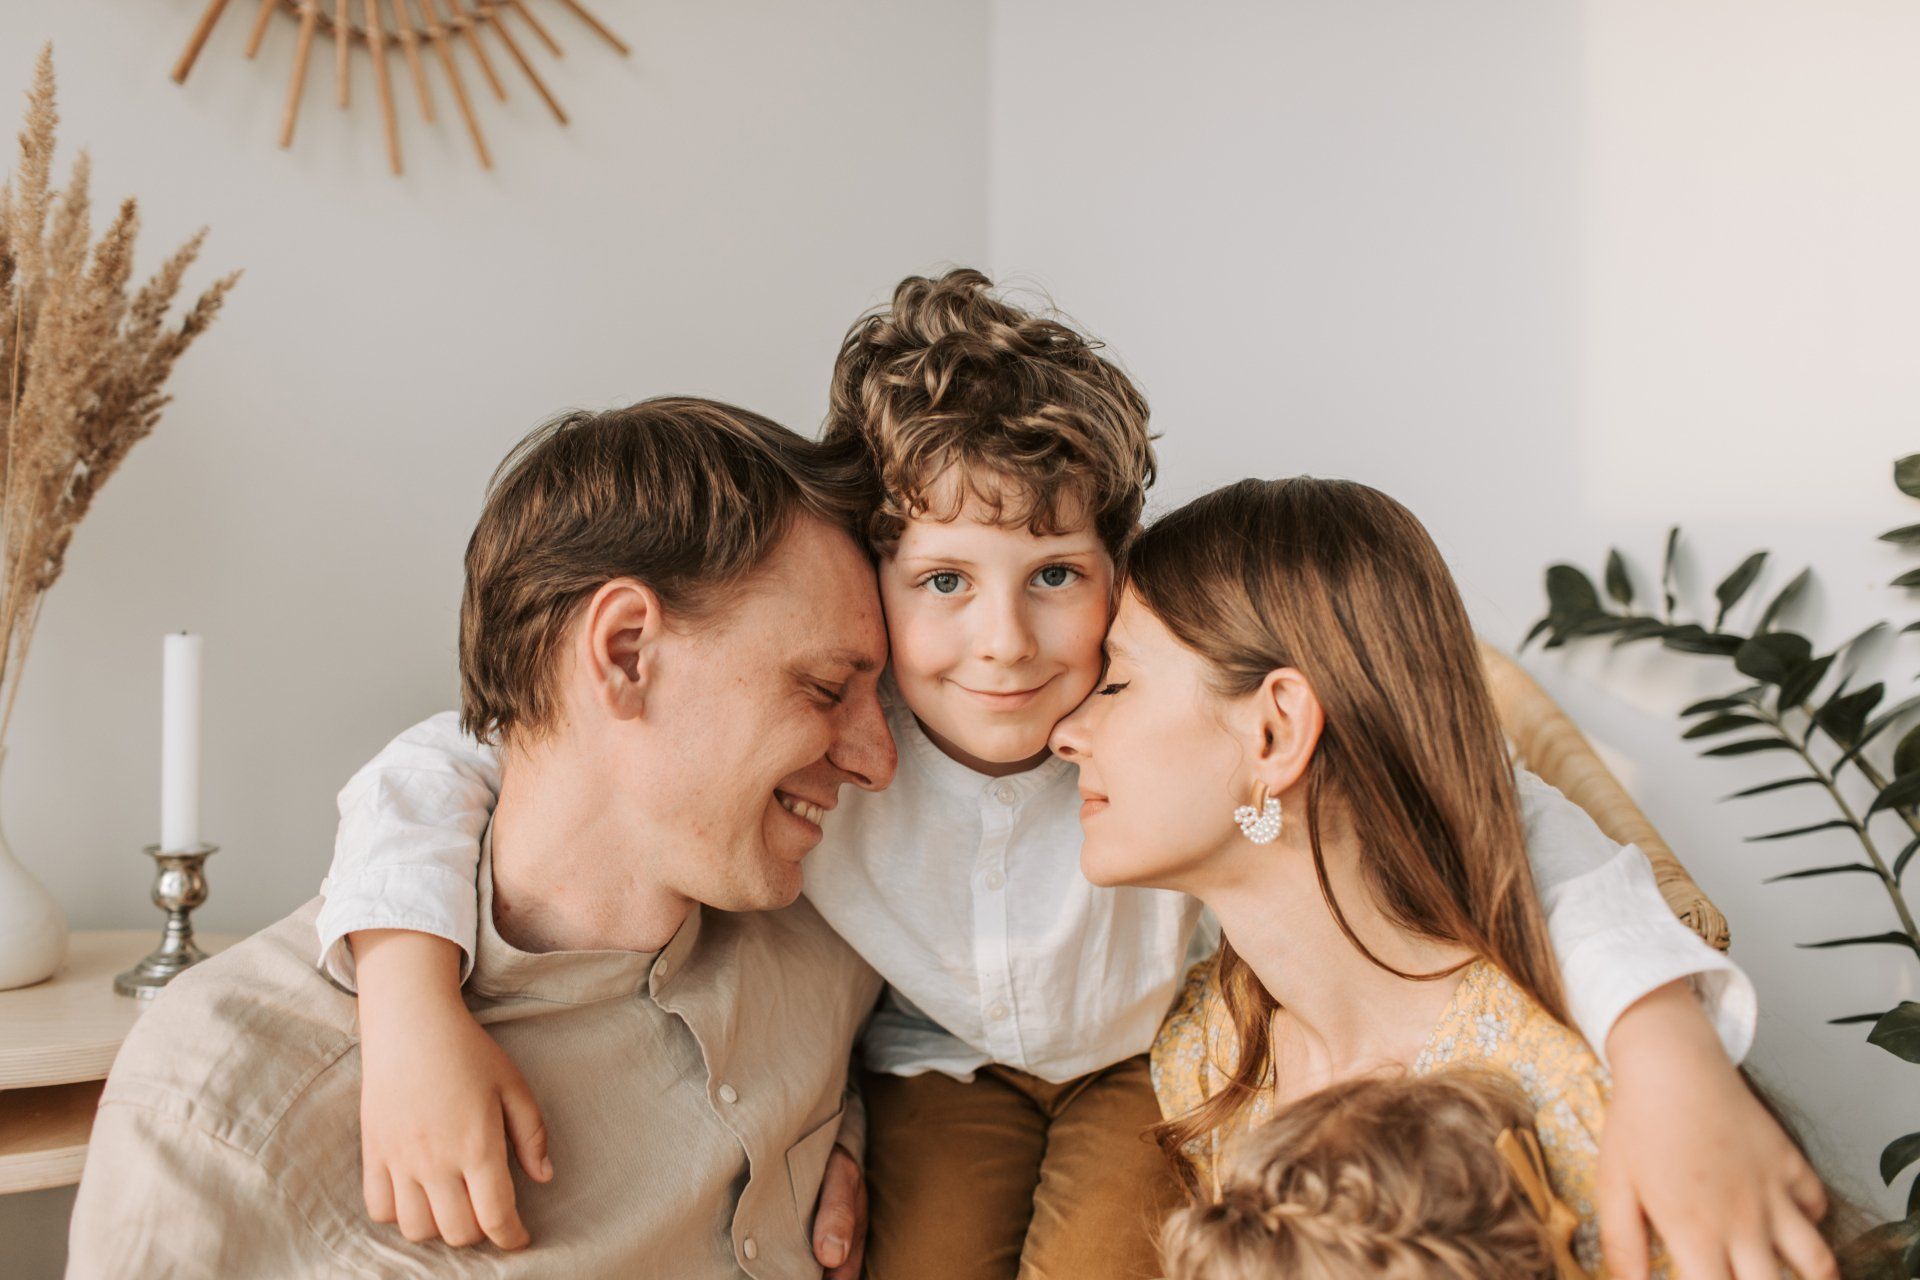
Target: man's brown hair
1019 408
686 495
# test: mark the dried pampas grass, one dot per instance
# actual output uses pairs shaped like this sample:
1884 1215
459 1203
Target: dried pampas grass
84 364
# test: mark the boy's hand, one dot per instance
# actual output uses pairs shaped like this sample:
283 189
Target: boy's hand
840 1218
440 1101
1689 1151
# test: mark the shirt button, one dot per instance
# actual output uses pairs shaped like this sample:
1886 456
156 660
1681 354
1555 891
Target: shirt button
996 1011
749 1248
995 880
729 1096
1004 793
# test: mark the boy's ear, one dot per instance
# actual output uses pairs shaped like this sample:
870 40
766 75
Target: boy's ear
619 646
1286 721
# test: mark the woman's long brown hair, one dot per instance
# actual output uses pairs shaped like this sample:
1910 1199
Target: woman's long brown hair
1341 583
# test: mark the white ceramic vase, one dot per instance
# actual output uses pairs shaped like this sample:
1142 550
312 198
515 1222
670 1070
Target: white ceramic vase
33 929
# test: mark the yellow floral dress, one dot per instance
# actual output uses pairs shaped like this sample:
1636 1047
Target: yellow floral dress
1489 1023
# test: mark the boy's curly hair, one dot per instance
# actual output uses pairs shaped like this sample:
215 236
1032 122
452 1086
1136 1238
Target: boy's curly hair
1387 1178
952 393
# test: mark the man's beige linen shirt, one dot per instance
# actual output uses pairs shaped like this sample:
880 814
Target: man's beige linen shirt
691 1096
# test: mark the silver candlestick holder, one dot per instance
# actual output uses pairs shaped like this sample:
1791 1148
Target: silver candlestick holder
179 885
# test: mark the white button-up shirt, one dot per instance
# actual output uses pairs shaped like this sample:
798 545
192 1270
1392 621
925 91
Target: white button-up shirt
965 893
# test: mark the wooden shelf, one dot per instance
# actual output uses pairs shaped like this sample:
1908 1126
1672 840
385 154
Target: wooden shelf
43 1134
61 1038
69 1027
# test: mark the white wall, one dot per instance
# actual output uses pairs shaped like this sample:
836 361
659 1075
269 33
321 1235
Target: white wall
1555 276
723 204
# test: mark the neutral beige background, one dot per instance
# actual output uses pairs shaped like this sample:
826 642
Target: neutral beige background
1552 274
722 206
1555 275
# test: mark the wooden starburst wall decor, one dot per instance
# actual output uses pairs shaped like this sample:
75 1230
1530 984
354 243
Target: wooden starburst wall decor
379 26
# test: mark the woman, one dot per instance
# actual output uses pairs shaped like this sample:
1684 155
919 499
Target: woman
1294 728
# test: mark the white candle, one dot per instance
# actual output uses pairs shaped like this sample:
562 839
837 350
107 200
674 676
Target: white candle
180 743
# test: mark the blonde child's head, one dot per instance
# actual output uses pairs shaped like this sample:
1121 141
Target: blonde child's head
1008 464
1387 1179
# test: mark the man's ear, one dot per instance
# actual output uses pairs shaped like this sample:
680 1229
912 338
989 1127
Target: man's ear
619 645
1286 722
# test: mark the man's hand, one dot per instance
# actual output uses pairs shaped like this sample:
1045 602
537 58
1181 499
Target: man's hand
840 1218
440 1101
1690 1151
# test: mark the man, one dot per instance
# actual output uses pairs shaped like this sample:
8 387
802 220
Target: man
642 632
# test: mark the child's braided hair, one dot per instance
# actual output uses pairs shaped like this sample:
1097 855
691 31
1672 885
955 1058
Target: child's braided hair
1386 1178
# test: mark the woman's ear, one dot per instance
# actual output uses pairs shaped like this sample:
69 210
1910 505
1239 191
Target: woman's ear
1287 721
619 646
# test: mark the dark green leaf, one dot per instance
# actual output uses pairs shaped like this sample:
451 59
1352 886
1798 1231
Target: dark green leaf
1847 648
1667 566
1906 856
1906 474
1911 578
1744 698
1844 716
1874 728
1905 535
1775 657
1639 629
1720 724
1619 585
1812 872
1534 632
1597 624
1570 592
1900 1153
1898 1031
1855 1018
1911 626
1801 684
1913 1222
1787 595
1748 746
1828 825
1892 939
1781 785
1735 584
1906 756
1691 637
1898 794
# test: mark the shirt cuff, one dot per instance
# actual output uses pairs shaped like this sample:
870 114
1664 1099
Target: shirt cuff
1607 974
394 898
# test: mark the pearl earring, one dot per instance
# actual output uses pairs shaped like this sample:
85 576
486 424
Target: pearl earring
1259 821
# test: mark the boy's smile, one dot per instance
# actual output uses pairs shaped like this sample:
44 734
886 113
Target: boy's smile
995 631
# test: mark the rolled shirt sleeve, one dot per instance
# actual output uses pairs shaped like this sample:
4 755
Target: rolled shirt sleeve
408 845
1613 934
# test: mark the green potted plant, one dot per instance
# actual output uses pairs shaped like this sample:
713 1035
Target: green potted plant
1837 743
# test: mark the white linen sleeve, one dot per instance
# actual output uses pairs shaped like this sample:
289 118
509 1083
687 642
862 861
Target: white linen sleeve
1613 934
408 847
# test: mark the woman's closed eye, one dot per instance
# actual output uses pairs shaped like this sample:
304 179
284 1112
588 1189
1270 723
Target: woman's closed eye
1108 690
